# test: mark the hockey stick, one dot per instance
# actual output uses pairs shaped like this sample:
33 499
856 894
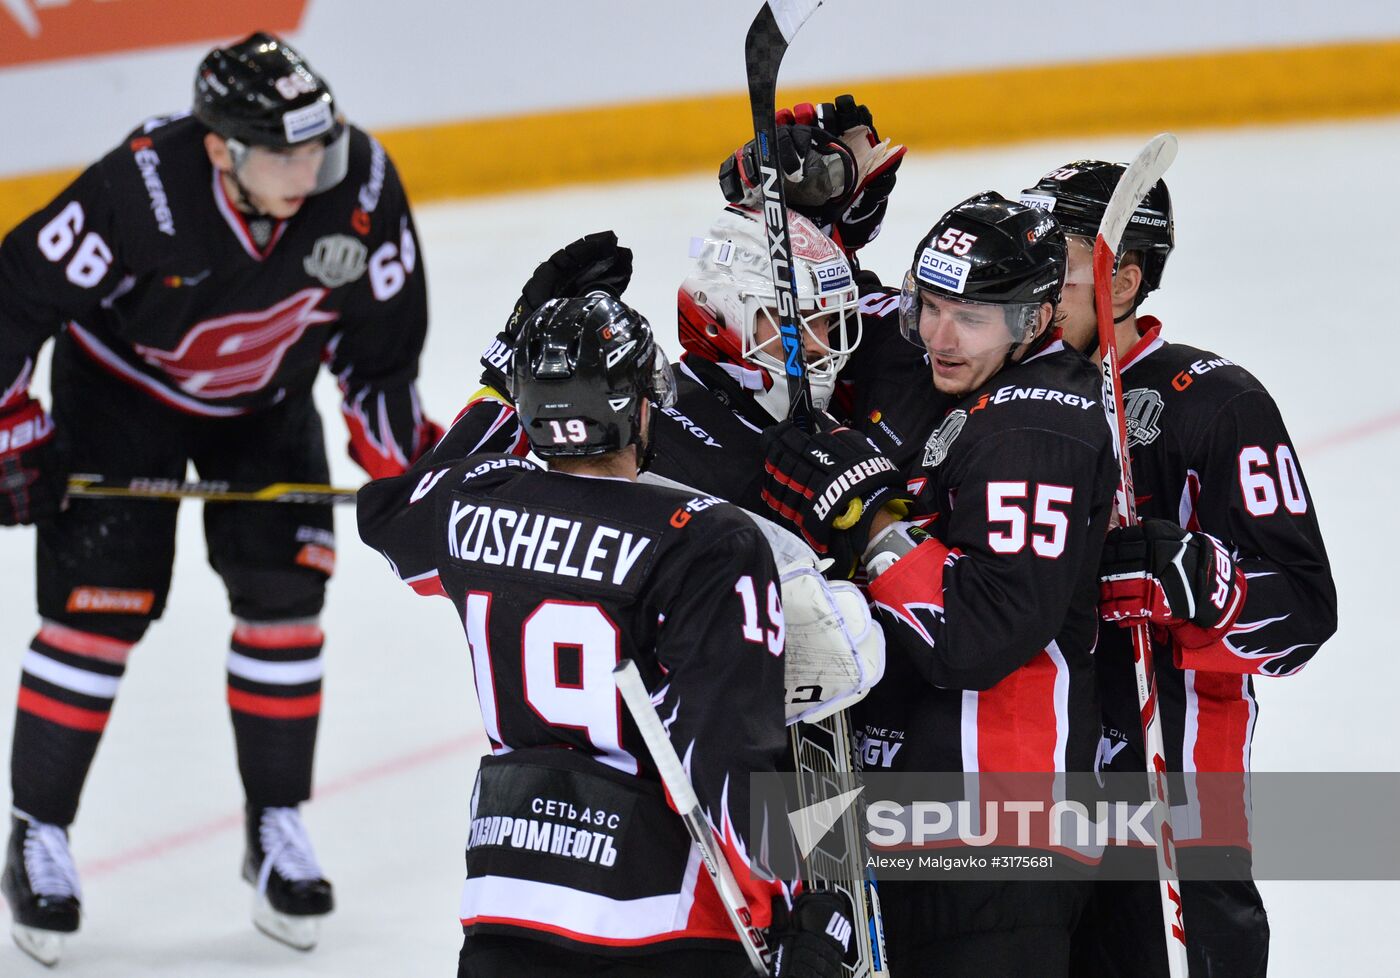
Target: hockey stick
1137 180
668 764
824 748
822 752
767 41
88 486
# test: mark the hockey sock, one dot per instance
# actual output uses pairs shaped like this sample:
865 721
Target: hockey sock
274 697
67 686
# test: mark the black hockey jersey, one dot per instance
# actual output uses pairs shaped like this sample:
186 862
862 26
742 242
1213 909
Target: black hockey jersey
1210 452
710 438
991 626
159 278
557 578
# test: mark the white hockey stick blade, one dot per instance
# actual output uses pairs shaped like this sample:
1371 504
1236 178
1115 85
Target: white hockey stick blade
298 931
673 776
790 15
1149 166
44 946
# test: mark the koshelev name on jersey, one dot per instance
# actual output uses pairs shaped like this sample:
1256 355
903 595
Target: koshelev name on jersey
543 543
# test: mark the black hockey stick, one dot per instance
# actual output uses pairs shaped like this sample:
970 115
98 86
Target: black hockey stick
767 41
87 486
1140 176
823 748
668 765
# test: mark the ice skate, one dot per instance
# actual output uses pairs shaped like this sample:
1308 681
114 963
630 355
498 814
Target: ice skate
41 886
291 894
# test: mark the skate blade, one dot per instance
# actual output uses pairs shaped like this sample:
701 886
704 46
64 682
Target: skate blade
300 932
44 946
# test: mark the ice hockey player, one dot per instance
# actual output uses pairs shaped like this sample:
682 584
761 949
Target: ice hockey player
575 861
991 616
884 389
731 383
195 278
1228 565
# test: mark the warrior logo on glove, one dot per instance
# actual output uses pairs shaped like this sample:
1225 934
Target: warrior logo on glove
848 481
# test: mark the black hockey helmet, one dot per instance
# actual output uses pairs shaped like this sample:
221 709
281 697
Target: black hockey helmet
260 93
1078 194
582 369
988 250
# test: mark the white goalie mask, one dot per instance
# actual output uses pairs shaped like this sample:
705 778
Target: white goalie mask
728 308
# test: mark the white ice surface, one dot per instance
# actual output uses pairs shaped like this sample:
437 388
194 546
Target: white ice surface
1286 262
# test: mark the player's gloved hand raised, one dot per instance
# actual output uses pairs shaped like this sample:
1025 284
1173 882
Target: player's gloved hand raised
817 941
859 218
818 170
595 262
828 487
1158 572
32 481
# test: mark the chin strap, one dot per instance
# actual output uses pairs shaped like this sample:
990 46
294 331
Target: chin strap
242 200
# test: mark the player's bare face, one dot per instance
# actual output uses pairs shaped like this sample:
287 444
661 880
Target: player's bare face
278 181
1075 315
967 342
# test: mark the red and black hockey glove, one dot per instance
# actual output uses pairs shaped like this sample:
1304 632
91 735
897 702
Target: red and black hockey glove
818 939
593 263
828 488
859 219
819 172
32 481
1160 573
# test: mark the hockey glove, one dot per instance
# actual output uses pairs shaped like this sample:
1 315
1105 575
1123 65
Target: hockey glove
827 485
593 263
858 220
817 941
819 173
32 482
1160 573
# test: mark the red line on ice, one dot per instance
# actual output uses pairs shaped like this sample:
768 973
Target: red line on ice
1356 432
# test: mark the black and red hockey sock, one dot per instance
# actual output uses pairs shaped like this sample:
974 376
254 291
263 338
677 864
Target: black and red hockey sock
68 684
274 697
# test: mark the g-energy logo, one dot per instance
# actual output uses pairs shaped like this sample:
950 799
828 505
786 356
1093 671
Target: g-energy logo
148 162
